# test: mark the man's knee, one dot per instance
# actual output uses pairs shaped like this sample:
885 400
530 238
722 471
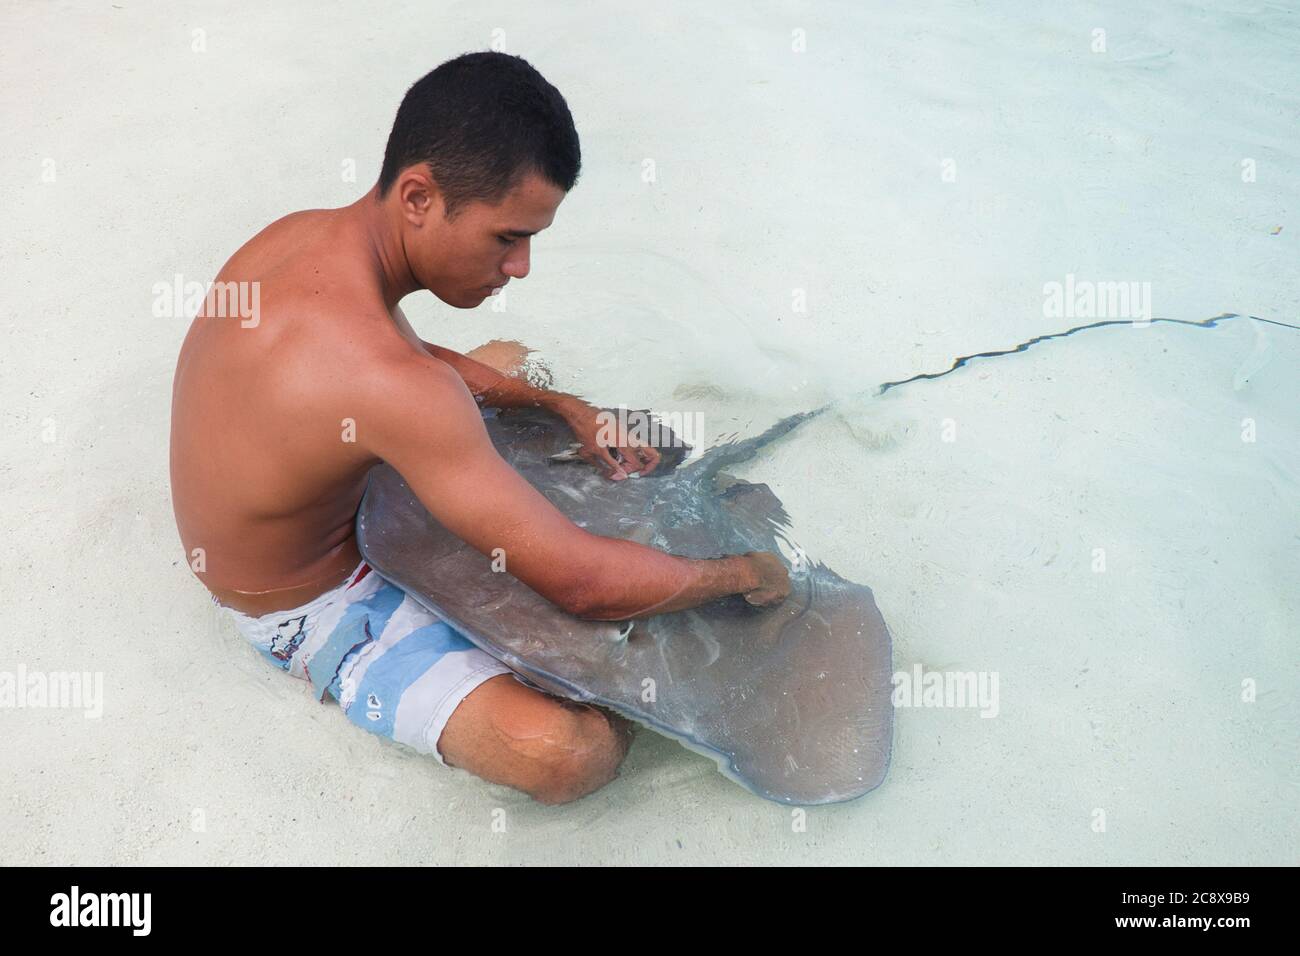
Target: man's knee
576 752
555 750
515 360
506 356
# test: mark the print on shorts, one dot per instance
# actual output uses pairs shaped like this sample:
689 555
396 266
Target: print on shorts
288 636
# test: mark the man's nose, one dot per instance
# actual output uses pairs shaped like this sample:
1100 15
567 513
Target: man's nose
517 263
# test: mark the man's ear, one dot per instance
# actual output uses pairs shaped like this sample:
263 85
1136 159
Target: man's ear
418 195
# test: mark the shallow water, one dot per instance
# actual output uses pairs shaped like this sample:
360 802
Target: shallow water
1085 519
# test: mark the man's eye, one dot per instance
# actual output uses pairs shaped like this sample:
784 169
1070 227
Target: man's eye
506 240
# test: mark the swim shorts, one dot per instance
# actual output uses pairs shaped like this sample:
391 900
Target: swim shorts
396 669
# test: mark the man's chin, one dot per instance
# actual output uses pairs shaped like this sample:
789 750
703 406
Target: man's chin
467 300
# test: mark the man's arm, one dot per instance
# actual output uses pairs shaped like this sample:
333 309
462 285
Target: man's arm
419 416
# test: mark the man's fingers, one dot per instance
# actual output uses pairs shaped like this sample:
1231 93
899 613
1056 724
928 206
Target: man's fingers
633 459
631 463
651 457
639 458
611 467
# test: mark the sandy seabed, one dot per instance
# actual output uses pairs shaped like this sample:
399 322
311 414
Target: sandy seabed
780 206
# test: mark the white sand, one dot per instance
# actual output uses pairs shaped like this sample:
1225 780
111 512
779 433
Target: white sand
775 171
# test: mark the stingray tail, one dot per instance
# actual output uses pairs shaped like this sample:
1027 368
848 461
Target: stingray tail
731 453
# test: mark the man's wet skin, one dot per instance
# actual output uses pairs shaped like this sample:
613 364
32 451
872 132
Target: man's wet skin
277 420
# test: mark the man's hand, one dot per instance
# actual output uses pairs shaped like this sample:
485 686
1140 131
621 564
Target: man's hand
588 424
773 580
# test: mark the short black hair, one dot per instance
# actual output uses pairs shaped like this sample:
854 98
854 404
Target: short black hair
480 123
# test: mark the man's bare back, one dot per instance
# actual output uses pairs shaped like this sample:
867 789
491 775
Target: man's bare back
264 484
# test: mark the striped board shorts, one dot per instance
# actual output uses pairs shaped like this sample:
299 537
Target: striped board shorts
396 668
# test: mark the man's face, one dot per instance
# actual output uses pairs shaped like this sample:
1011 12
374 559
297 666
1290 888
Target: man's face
485 246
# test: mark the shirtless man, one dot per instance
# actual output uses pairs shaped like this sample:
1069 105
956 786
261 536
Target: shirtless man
277 419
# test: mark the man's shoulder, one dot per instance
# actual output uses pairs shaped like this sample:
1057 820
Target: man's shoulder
352 347
279 243
403 400
394 371
297 228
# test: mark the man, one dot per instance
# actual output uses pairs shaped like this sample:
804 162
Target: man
277 418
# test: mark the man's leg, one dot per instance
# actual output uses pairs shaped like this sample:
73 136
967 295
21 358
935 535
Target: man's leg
408 675
555 750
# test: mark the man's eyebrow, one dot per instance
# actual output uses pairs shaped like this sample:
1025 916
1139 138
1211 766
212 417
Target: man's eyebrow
519 233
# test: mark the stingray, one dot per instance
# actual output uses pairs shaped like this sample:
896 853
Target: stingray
792 701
